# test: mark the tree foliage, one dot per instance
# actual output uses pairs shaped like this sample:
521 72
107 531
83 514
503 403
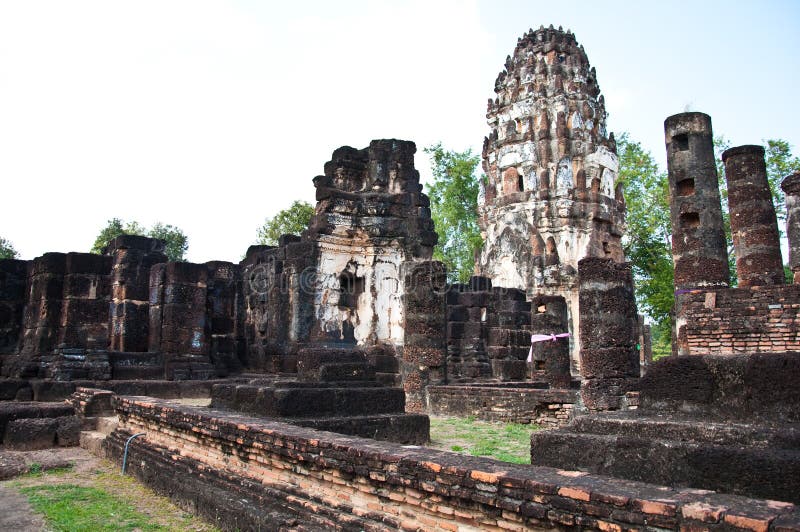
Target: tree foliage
647 242
7 250
454 202
291 221
177 243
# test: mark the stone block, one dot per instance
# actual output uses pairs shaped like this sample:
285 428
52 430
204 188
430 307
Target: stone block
31 434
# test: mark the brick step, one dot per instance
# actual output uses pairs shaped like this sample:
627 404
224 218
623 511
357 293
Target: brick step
690 430
92 441
347 371
190 368
310 359
385 363
413 429
309 402
751 471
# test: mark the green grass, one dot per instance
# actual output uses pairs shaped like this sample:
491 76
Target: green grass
69 507
509 442
36 470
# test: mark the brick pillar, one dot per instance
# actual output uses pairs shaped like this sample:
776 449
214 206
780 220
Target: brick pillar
133 256
754 226
791 187
608 327
424 348
223 298
550 359
43 309
698 236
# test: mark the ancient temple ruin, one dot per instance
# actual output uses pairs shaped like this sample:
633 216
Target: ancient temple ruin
550 196
323 354
722 414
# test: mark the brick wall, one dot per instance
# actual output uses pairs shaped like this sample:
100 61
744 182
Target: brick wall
514 404
758 319
248 473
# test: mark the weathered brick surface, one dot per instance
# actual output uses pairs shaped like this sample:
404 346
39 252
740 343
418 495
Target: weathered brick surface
758 319
511 403
608 322
488 332
698 240
292 476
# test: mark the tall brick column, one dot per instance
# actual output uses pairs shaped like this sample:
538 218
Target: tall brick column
791 187
424 349
698 236
133 256
608 327
754 226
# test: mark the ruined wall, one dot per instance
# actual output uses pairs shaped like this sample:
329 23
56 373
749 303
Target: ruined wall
550 198
371 217
250 473
342 283
277 303
488 332
64 317
760 315
513 402
424 349
758 319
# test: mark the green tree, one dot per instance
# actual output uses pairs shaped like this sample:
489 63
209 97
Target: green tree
780 163
114 228
177 243
7 250
291 221
647 242
454 201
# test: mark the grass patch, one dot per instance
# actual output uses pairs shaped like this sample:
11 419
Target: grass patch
509 442
36 470
69 507
93 496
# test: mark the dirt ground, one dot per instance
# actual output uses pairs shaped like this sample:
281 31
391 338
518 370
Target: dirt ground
88 471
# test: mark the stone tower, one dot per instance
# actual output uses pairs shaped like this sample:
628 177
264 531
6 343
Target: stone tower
549 199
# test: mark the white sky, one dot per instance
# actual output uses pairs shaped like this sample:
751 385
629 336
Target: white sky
213 115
